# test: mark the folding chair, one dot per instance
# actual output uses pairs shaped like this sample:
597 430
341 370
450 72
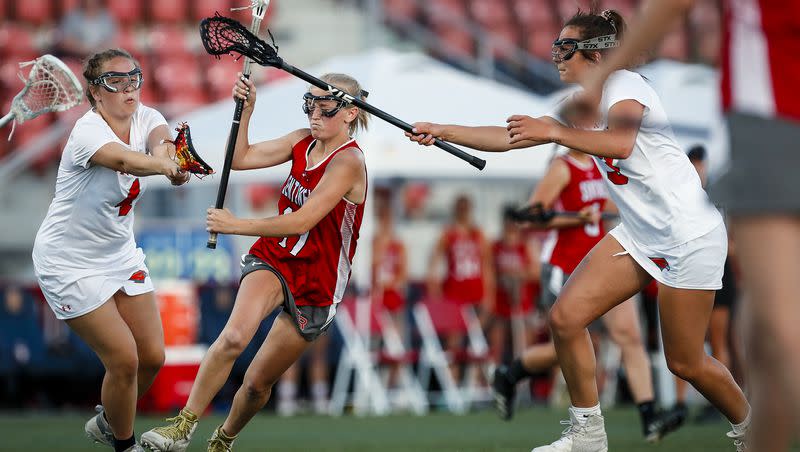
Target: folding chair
369 394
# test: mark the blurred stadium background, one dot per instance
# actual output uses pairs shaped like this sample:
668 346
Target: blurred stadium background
460 61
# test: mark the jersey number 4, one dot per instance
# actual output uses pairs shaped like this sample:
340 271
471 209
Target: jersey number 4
615 175
126 204
300 243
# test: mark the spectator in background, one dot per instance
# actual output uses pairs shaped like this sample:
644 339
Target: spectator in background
85 30
468 278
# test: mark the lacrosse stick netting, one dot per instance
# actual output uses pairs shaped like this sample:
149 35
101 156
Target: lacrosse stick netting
50 86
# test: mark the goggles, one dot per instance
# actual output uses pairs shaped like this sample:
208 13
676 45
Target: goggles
328 108
564 49
115 82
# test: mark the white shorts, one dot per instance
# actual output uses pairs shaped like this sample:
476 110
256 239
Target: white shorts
70 296
696 264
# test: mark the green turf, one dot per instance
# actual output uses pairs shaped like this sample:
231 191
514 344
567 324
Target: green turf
481 431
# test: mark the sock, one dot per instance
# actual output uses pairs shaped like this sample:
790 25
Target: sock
187 413
741 428
517 372
582 414
224 436
287 391
319 390
647 411
121 445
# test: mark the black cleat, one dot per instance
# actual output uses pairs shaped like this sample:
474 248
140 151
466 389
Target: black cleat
664 422
504 392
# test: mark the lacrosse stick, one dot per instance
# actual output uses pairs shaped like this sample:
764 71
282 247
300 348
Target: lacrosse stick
259 8
50 86
222 36
186 156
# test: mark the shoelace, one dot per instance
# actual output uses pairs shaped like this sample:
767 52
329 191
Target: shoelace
178 430
570 431
218 444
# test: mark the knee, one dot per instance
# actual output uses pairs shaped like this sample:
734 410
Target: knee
151 362
627 337
563 323
124 365
258 389
683 368
231 342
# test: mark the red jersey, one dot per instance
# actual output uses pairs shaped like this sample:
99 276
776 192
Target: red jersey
464 280
386 271
564 248
315 265
509 259
760 62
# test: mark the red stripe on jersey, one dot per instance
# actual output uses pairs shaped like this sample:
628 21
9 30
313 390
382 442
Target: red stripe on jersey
315 265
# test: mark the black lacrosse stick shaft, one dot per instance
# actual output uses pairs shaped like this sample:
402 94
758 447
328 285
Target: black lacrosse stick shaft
226 167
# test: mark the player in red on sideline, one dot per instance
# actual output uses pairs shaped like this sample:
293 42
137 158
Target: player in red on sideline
301 262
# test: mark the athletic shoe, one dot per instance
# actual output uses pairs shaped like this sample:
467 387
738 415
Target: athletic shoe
220 442
97 428
135 448
173 438
589 437
665 422
738 441
504 392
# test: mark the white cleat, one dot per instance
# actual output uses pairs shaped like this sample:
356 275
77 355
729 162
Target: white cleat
98 430
738 441
589 437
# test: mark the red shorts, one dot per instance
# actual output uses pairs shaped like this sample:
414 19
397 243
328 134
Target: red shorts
392 300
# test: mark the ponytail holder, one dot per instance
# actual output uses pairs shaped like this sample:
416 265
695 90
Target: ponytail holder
606 14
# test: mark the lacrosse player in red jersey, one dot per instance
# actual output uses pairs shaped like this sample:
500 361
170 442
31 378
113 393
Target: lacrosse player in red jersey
669 231
85 257
300 263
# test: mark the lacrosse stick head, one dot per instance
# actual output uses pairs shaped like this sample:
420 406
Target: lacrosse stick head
50 86
186 156
223 35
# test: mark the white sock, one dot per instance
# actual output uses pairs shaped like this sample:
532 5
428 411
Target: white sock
287 390
583 413
741 428
319 390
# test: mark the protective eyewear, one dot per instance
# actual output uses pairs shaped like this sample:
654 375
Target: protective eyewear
115 82
564 49
329 106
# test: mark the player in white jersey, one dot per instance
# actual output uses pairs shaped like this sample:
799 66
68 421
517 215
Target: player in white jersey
668 232
85 257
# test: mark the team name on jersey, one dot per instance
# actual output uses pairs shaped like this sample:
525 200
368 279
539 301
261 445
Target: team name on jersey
592 189
295 191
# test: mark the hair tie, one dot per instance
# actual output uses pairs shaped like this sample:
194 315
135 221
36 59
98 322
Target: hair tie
606 14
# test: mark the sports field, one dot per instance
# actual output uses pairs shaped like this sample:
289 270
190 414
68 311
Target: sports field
436 432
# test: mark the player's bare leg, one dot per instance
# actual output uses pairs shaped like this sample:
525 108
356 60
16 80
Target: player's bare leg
141 314
768 249
107 334
685 314
281 349
259 294
604 279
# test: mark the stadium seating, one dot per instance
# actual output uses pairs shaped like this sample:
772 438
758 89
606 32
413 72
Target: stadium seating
34 12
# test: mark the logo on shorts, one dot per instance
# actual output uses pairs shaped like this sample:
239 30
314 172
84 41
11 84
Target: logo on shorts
66 307
661 263
138 277
302 321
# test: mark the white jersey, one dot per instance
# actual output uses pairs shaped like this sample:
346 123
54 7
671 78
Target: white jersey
89 225
657 190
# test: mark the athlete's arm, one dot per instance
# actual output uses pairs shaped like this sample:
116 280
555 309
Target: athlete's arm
433 284
555 180
159 144
615 142
487 266
482 138
266 153
344 172
402 269
116 157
